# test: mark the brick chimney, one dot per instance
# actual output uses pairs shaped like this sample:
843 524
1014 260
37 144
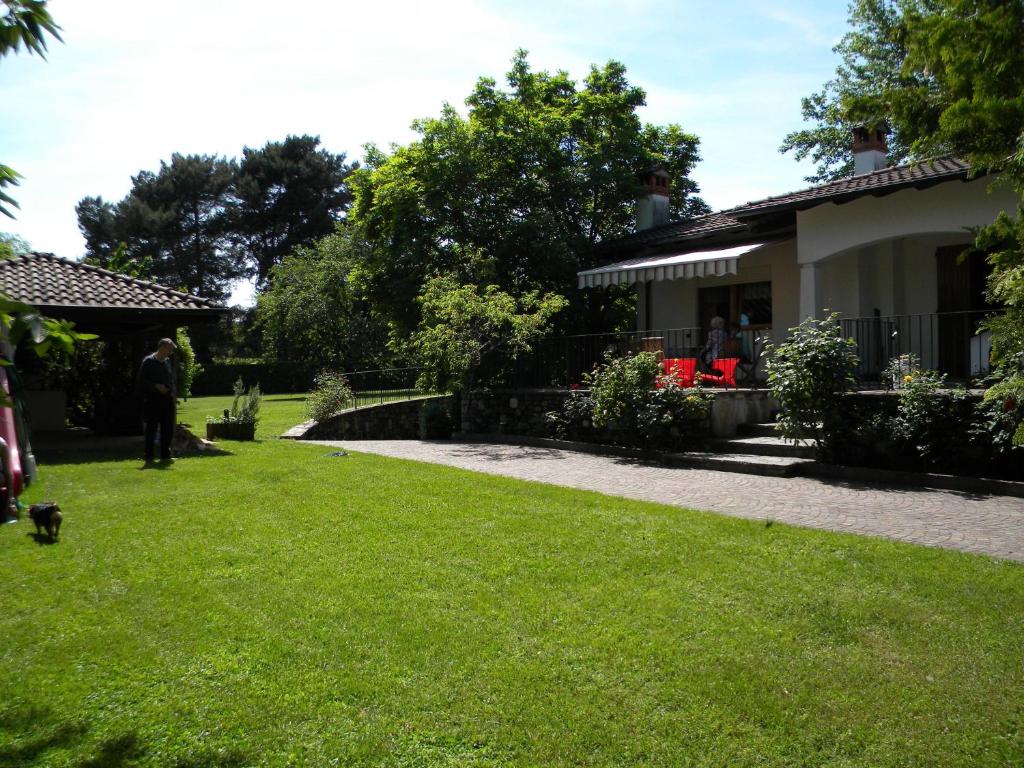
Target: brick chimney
652 203
869 149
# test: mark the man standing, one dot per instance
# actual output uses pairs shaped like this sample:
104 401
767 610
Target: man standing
156 385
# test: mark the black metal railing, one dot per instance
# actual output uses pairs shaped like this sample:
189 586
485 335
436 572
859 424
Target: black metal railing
385 385
561 361
948 342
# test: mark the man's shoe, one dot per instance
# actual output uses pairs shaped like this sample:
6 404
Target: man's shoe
167 460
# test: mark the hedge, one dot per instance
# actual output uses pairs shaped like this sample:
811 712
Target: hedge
275 377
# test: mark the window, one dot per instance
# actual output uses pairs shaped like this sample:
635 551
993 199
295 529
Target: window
727 301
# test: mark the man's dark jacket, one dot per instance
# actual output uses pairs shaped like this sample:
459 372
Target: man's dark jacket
155 371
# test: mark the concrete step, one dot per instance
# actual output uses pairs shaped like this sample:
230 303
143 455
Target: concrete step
746 463
767 429
764 446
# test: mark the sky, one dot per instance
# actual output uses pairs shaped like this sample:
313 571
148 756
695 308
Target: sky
137 80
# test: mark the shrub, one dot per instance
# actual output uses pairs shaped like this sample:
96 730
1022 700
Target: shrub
274 376
188 368
932 420
330 394
628 400
435 421
808 375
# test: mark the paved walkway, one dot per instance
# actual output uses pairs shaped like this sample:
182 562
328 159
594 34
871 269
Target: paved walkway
992 525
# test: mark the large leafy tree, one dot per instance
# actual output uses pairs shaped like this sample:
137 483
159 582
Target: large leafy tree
872 55
518 191
23 23
176 219
962 91
287 194
462 324
311 313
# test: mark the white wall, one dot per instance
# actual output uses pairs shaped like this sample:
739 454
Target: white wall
878 252
948 208
674 302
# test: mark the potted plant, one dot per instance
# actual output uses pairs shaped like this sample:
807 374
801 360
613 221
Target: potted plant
238 422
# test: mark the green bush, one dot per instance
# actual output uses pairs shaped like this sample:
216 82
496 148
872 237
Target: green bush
188 368
808 374
436 421
276 377
931 425
629 401
330 394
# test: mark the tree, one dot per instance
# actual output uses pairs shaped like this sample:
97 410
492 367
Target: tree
311 313
22 23
872 61
962 91
288 194
13 245
461 324
176 218
518 192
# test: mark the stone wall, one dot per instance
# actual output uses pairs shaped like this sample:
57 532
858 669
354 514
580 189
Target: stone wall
522 412
507 412
386 421
511 411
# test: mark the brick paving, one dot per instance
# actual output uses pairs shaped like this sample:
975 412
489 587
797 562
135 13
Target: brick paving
984 524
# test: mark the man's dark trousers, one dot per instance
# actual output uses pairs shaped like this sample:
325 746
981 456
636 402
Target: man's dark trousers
158 410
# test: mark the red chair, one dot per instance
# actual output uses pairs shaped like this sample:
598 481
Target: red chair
684 369
727 377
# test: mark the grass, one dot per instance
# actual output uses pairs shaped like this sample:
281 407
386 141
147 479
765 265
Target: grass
279 412
276 607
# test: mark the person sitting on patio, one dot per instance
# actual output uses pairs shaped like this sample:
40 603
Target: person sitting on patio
716 346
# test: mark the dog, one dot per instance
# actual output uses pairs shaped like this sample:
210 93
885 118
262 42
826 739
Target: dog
184 442
46 515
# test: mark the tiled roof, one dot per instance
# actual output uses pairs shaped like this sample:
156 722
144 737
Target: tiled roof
699 226
732 223
45 280
881 182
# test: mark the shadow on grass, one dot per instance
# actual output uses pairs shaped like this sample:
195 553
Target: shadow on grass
34 732
114 752
96 454
42 539
31 732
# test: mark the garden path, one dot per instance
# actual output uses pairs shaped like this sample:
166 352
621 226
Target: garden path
985 524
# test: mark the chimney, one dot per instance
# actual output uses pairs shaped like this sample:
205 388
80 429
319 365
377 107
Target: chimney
652 203
869 149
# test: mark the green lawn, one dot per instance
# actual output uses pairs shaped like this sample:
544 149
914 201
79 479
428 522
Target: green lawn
278 413
278 607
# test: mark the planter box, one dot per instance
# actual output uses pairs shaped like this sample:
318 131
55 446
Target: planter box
230 431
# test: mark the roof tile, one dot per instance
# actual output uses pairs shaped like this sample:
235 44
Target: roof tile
43 279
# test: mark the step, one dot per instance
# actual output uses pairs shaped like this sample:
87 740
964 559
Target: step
745 463
765 446
766 429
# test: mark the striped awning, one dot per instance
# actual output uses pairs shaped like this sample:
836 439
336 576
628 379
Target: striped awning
681 266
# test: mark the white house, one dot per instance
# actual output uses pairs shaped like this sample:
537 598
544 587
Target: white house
881 248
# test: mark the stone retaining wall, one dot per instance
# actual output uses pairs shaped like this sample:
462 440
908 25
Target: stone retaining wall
507 412
511 411
386 421
522 411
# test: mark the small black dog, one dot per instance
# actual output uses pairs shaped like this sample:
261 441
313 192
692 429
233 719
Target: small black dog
47 515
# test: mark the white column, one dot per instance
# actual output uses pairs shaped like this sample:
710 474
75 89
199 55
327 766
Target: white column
810 290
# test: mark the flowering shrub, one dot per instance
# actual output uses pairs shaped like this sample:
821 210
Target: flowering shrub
808 374
630 401
931 419
331 394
